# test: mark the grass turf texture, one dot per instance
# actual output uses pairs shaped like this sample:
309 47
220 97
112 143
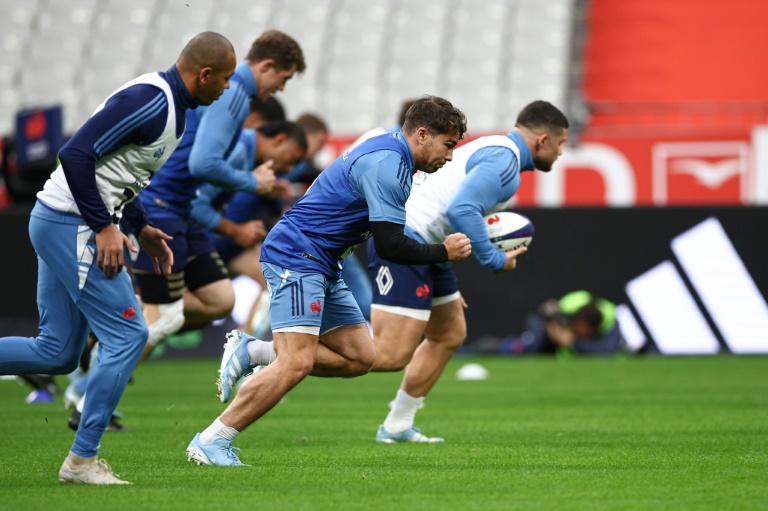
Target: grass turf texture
592 434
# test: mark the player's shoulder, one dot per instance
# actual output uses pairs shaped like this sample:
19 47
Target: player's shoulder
139 95
379 159
491 147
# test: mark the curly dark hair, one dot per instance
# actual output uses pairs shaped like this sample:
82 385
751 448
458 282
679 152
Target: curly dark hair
437 115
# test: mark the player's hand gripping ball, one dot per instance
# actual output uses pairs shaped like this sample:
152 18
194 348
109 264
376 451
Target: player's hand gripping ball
508 230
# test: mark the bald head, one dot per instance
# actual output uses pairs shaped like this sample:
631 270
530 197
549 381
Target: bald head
206 64
207 49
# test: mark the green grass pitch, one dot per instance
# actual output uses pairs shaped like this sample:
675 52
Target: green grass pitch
578 434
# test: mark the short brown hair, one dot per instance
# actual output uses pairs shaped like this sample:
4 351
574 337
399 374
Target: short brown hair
404 110
437 115
280 47
312 123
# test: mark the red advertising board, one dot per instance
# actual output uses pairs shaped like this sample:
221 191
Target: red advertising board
706 169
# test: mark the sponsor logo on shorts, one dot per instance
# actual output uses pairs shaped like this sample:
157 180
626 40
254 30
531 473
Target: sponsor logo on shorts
384 280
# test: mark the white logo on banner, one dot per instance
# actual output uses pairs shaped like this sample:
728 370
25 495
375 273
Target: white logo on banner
709 174
688 158
724 286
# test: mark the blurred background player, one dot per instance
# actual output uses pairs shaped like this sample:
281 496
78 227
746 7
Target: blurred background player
579 322
238 236
410 302
82 284
317 132
264 112
317 326
243 208
199 290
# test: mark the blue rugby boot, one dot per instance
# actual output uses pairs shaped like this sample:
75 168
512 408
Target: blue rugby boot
409 435
220 453
235 362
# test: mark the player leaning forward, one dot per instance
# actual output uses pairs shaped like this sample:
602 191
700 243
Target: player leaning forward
317 325
481 179
81 280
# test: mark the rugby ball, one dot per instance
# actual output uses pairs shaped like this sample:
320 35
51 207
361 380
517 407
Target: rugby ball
508 230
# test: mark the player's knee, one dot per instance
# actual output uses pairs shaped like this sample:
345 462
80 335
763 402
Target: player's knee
298 366
218 304
61 357
454 340
135 338
139 336
224 306
62 365
448 339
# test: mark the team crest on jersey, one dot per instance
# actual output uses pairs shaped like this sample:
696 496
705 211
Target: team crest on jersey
159 153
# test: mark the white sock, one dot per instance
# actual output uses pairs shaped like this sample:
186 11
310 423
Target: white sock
80 404
261 352
403 412
169 322
217 430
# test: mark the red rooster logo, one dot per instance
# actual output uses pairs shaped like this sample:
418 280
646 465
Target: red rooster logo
493 219
422 291
316 307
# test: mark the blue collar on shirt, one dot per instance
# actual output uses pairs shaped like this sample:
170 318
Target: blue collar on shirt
181 95
243 70
526 159
398 135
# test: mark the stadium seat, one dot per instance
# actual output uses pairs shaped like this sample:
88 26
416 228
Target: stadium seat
363 58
